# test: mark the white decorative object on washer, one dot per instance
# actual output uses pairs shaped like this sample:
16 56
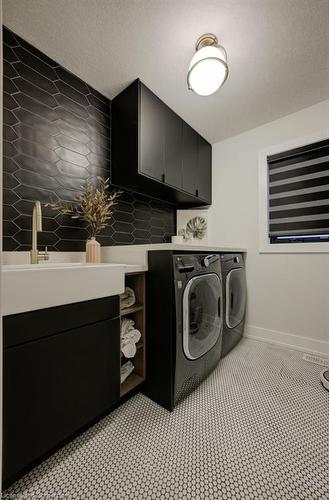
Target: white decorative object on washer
177 239
193 226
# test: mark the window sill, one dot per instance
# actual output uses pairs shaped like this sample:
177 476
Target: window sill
294 248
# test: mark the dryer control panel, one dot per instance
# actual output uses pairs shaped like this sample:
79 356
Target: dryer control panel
196 263
231 261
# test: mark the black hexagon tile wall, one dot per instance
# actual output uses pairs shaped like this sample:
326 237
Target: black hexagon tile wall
56 134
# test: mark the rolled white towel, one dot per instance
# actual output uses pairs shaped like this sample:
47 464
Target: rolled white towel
135 335
132 336
129 338
126 325
127 298
128 349
126 370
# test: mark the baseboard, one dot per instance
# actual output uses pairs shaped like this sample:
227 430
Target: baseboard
288 340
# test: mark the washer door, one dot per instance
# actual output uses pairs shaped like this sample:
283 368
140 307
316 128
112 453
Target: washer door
202 314
236 294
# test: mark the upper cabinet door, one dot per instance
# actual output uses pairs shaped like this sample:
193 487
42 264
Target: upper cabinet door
151 135
173 149
190 160
204 169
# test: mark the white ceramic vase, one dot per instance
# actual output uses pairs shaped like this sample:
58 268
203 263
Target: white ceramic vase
93 251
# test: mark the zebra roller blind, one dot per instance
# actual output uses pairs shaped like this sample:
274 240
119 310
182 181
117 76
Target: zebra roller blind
299 193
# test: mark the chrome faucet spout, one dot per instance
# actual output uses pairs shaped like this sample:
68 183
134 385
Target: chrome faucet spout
37 256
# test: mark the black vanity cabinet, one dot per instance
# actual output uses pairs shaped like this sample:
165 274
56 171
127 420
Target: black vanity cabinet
61 372
155 152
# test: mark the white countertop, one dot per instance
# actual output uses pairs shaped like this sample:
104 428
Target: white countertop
137 254
134 268
65 258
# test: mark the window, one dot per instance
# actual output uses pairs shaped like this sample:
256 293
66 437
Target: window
298 194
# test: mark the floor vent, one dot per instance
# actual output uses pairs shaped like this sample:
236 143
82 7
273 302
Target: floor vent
312 358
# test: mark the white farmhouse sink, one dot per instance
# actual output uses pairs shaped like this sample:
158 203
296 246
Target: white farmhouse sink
27 287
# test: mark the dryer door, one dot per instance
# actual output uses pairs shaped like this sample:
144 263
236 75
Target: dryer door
202 314
236 294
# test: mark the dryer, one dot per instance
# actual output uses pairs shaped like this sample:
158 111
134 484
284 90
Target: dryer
185 323
235 298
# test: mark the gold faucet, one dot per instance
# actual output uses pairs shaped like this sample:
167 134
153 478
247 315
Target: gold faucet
37 256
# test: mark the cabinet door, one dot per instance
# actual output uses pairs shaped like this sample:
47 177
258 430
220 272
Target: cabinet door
190 159
204 170
53 387
151 135
173 149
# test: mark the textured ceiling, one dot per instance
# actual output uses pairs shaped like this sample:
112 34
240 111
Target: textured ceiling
278 52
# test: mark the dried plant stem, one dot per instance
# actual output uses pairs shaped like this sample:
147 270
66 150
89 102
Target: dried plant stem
93 205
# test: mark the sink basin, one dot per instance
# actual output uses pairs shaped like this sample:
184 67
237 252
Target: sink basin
27 287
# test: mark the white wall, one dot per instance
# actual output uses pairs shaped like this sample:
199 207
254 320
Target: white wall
288 294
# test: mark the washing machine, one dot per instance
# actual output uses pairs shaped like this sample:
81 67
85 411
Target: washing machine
184 323
235 298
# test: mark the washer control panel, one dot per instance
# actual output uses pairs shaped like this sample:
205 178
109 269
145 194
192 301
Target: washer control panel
195 263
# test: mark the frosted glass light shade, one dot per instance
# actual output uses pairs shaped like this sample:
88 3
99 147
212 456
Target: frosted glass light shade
208 70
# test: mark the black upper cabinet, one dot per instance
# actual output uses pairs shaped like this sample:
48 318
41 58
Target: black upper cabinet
173 150
204 169
155 152
190 160
152 132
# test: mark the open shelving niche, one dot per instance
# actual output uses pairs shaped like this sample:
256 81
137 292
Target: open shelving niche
136 281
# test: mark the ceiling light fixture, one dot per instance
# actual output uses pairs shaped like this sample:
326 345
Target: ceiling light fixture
208 68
